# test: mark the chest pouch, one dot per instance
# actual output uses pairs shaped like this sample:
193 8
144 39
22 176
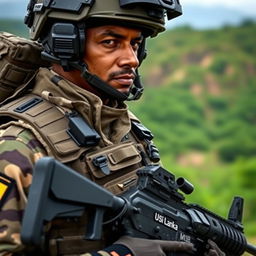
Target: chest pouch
115 166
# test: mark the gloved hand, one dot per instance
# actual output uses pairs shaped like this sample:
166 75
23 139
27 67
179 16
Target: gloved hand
214 250
148 247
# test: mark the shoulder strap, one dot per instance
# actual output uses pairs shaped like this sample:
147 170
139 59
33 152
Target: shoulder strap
48 123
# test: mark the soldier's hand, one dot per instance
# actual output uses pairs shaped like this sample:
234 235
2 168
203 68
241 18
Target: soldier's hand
148 247
214 250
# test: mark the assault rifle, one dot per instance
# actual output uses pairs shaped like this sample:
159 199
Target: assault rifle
153 209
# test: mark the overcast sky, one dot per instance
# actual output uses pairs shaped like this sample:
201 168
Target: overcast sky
248 6
217 13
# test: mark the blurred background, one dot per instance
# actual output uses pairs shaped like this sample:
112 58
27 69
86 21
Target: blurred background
199 100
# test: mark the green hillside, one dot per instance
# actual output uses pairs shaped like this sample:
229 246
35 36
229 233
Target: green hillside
199 101
206 82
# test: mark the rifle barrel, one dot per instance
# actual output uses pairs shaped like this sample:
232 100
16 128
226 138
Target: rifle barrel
251 249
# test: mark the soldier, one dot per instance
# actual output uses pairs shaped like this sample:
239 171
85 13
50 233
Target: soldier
95 49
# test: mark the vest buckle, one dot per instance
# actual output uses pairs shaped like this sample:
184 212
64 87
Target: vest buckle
102 163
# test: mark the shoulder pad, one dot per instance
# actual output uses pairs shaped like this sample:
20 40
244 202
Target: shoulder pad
19 60
49 125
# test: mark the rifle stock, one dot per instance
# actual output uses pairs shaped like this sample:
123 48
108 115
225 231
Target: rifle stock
153 209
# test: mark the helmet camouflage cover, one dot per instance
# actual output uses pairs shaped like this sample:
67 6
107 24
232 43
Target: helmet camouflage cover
147 14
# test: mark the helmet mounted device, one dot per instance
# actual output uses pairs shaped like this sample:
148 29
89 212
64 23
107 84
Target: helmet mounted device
60 26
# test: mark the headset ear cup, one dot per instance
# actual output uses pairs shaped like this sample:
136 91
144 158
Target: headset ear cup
64 43
142 54
81 31
145 54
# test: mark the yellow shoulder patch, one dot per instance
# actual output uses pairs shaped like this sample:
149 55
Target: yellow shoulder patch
6 184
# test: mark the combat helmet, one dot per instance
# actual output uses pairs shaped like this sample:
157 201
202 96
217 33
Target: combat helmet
60 26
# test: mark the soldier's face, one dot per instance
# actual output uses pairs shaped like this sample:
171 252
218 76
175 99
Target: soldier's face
111 54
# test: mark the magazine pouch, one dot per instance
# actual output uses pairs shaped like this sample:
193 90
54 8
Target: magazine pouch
114 167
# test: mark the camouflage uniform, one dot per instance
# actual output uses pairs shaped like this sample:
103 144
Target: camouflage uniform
17 157
20 150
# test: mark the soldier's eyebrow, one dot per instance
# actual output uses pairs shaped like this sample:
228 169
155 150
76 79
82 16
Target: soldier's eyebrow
119 36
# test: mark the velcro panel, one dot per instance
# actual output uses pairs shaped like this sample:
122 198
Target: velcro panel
123 154
14 75
67 147
39 109
48 119
58 136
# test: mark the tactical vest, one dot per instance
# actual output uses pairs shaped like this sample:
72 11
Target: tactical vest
64 138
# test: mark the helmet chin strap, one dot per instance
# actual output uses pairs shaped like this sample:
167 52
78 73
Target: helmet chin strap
95 81
134 94
98 83
137 90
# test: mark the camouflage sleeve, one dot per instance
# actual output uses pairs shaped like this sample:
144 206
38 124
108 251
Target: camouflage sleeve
18 155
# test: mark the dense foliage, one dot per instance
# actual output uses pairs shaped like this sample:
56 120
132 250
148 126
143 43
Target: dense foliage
200 104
